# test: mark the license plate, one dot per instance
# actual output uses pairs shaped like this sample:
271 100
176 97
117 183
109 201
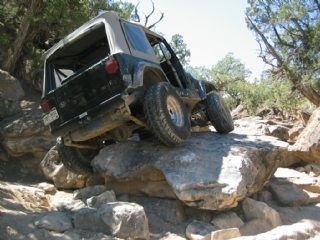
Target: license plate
50 116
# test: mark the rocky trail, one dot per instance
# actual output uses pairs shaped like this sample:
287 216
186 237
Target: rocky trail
262 181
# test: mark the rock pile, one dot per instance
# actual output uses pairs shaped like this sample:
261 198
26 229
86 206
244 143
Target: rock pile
259 182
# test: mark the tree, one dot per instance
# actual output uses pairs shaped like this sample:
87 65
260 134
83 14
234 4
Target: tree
230 75
200 72
136 16
180 49
34 26
272 94
288 32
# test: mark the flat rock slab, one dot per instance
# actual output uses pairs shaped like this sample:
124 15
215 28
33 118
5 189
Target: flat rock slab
288 194
208 171
307 182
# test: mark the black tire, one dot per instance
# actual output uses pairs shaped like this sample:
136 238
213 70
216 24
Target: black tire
218 113
76 160
166 114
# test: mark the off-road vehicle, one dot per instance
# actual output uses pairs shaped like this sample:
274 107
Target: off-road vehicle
110 79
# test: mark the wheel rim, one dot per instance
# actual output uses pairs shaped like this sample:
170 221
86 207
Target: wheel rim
174 111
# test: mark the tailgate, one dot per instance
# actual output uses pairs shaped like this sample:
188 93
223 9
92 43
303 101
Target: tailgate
83 91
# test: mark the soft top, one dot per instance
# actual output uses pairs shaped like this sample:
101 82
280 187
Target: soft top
113 30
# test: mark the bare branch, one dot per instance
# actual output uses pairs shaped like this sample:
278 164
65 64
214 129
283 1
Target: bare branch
152 25
136 13
147 16
264 39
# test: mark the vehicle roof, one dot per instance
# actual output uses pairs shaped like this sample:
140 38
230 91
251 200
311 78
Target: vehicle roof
113 30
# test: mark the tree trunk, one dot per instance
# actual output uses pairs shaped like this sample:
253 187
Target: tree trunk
14 53
309 92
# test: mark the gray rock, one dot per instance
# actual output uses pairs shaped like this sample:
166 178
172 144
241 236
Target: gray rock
290 215
222 234
307 146
67 205
105 197
164 215
47 187
255 227
197 230
227 220
280 132
258 210
239 112
172 236
89 219
43 234
209 171
55 221
167 211
55 172
288 194
26 133
8 106
301 179
265 196
294 132
10 86
125 220
304 230
88 192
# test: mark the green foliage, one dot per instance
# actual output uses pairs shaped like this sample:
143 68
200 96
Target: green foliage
200 72
289 34
48 22
180 48
229 75
269 93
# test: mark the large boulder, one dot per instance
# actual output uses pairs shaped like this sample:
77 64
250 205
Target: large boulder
307 146
209 171
11 93
119 219
8 106
10 86
25 133
239 112
258 210
54 171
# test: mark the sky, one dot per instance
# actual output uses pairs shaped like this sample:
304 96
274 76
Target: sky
210 28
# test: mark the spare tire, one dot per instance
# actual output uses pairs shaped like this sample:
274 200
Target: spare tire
218 113
166 114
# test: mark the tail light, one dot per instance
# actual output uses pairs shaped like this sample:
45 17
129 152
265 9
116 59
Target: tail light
45 105
111 66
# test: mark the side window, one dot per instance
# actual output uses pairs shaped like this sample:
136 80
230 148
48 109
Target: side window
137 39
161 56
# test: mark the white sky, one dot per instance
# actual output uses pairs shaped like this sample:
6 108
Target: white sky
210 28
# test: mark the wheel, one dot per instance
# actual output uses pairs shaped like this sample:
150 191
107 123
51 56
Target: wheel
76 160
166 114
218 113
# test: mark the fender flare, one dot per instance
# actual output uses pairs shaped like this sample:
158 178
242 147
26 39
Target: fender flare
204 87
141 68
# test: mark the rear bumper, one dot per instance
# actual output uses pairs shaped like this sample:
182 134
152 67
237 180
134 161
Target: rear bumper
91 119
